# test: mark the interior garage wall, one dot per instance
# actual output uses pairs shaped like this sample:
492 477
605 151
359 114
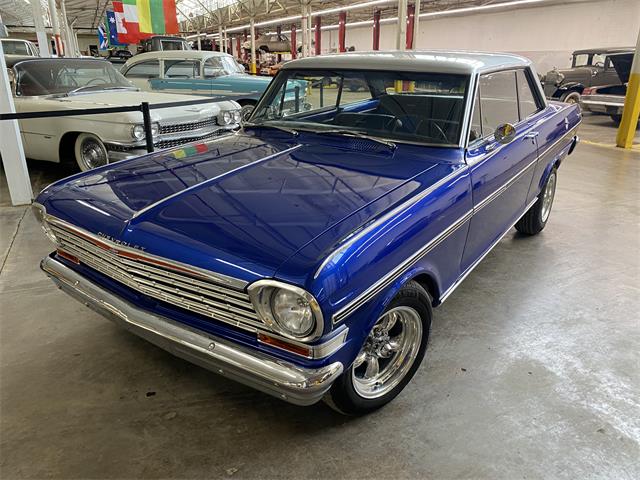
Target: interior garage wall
545 34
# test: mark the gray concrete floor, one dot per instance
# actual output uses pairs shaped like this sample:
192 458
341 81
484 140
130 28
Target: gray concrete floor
532 370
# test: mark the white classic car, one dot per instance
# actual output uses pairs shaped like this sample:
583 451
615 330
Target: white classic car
58 84
17 46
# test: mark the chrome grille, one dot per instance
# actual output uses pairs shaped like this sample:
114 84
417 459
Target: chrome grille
181 141
214 300
185 127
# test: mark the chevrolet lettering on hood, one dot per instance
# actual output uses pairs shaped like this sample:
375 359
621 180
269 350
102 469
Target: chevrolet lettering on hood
303 255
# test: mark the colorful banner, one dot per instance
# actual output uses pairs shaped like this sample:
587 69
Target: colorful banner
123 32
113 31
142 18
103 41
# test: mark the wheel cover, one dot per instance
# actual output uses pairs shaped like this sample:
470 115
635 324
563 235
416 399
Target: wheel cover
388 352
547 197
92 154
572 98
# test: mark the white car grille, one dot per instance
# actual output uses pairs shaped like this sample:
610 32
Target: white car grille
155 278
186 127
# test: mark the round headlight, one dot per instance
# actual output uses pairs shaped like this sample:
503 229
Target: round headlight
155 128
286 309
292 312
227 117
137 132
237 116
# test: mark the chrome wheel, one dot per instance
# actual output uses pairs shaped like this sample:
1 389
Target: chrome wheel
388 353
90 152
573 97
547 197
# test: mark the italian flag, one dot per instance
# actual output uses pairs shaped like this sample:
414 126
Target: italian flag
142 18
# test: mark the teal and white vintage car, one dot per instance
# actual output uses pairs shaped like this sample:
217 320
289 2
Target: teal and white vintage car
195 72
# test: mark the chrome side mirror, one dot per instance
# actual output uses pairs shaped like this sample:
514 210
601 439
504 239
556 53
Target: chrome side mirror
505 133
12 80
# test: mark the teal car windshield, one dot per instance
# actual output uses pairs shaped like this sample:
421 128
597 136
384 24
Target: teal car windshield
403 106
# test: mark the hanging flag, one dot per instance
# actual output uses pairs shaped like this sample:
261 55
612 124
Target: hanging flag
103 41
121 28
113 32
143 18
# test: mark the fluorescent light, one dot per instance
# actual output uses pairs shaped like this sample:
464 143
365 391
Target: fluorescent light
479 8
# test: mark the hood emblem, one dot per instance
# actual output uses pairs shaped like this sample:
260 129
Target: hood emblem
122 243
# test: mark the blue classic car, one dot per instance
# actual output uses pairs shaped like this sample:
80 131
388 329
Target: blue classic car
303 254
195 72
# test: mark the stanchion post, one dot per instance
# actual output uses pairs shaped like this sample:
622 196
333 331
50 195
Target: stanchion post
146 117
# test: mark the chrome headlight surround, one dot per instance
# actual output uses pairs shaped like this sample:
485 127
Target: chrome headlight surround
138 133
229 117
41 215
263 293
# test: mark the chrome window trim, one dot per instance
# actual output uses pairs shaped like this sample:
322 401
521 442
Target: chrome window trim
397 272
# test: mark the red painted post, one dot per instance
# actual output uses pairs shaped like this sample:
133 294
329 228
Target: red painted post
341 31
238 47
376 30
318 32
294 46
279 32
411 14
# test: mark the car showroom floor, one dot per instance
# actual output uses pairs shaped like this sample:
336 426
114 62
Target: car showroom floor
532 369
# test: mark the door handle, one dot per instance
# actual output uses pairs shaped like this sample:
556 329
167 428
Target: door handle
531 135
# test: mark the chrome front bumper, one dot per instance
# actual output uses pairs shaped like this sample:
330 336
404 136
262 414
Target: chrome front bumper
279 378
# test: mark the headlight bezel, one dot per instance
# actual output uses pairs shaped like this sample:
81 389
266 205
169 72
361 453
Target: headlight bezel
261 294
229 117
41 216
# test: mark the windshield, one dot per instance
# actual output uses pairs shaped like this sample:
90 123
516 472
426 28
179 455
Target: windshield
404 106
16 48
218 66
63 76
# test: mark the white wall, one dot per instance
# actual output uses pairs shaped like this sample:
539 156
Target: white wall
546 34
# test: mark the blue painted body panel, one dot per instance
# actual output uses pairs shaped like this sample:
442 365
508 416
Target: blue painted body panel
266 204
235 87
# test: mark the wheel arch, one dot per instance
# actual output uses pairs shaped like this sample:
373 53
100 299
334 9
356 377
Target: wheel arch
66 146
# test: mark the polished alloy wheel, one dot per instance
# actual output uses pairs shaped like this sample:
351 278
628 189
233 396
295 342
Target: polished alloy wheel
388 353
92 153
547 197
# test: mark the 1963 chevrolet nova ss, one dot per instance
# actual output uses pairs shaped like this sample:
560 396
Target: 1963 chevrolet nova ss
303 254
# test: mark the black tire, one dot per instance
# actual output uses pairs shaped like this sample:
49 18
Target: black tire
572 96
616 118
344 397
536 218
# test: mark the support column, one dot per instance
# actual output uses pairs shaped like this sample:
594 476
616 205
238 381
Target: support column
244 40
13 161
238 47
303 31
318 35
55 27
279 32
294 42
252 68
631 109
376 30
41 34
220 39
342 31
69 47
199 41
401 34
416 24
410 19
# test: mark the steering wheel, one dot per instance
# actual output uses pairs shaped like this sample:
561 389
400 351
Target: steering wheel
101 80
441 132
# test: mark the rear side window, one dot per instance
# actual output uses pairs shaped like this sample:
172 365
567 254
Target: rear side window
526 99
150 69
181 69
498 100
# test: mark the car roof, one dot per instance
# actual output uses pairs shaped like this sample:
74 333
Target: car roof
176 54
605 50
438 61
12 60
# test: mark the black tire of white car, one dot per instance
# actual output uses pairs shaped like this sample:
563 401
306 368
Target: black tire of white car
397 352
534 221
570 97
90 152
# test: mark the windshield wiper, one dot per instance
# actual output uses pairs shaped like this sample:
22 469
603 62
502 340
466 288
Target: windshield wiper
277 127
351 133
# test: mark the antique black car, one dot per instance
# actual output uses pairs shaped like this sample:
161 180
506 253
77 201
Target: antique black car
589 68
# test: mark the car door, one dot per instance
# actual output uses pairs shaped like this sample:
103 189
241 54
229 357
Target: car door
143 74
500 173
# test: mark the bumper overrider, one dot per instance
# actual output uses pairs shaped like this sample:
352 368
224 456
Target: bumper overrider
282 379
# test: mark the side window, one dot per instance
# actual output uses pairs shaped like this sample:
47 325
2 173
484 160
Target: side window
498 100
181 69
475 131
526 99
150 69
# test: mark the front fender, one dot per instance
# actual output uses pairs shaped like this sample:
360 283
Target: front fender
568 87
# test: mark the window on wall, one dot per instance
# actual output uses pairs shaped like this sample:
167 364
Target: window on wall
498 100
526 98
149 69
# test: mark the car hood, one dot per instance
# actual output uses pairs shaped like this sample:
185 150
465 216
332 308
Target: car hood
243 204
120 98
622 64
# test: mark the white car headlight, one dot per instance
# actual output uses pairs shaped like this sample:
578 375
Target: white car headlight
137 132
227 117
288 310
41 215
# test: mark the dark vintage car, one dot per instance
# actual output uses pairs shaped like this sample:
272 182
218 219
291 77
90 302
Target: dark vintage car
304 254
589 68
609 99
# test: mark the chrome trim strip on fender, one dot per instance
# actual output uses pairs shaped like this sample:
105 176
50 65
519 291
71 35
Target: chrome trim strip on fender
210 180
390 277
490 198
357 235
282 379
450 290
